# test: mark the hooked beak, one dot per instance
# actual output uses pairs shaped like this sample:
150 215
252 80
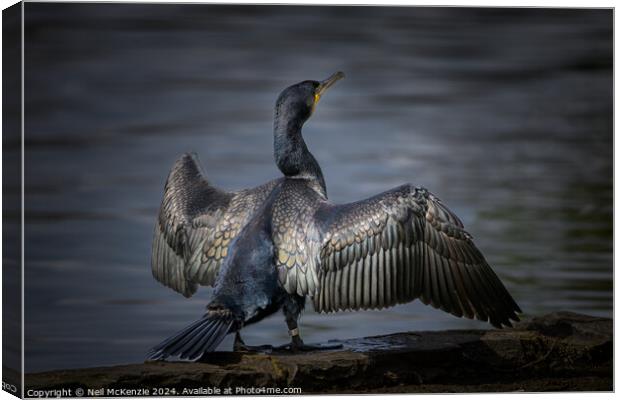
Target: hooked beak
326 84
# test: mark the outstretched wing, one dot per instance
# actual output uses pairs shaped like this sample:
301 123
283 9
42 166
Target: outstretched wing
401 245
196 224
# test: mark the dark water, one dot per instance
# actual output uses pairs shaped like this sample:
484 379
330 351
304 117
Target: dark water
504 114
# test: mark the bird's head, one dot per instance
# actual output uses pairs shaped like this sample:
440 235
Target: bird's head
297 102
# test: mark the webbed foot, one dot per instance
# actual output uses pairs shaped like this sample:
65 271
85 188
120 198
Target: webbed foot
239 345
265 348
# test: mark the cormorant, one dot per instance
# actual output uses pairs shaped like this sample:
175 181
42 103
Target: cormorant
272 246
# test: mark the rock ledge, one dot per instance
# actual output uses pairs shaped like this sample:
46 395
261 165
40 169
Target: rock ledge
559 351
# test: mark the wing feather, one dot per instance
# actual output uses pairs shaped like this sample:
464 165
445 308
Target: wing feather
401 245
380 263
196 224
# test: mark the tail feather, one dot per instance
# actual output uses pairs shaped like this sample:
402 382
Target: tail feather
180 334
192 342
209 342
190 338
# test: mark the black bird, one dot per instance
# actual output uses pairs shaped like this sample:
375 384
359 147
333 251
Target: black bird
270 247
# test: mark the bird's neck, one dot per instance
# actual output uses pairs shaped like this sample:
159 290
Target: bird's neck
292 155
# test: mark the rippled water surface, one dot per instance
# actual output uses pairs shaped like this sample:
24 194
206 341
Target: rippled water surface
506 115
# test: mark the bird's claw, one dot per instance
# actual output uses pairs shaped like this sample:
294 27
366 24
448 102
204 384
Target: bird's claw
265 348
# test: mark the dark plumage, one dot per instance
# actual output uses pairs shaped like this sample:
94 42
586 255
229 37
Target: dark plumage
270 247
